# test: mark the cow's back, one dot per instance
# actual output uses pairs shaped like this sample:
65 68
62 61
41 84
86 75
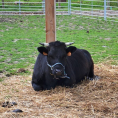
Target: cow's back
81 63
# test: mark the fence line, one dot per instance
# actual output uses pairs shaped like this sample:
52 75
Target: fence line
90 8
103 9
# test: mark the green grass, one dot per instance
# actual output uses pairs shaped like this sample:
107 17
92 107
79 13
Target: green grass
20 37
1 79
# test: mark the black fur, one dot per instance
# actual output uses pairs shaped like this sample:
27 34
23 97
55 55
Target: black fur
77 66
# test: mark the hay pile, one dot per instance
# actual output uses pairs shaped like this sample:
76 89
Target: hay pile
97 98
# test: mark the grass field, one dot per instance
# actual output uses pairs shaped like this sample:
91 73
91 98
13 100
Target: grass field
20 37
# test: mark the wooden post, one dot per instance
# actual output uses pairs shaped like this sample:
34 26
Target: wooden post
50 17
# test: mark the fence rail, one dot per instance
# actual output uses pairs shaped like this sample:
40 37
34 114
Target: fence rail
108 9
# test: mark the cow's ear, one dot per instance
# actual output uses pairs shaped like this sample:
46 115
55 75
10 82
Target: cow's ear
43 50
70 50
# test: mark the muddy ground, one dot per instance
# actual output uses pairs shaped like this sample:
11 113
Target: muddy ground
90 99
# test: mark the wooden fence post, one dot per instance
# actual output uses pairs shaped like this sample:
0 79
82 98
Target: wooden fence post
50 19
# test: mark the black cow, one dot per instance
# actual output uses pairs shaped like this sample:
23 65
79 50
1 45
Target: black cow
59 65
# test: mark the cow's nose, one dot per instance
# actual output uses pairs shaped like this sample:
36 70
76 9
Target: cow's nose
58 72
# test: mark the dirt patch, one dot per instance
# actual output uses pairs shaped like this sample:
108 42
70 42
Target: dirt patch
108 39
97 98
11 20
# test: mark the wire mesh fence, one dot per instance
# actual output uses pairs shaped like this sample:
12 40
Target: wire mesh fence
107 9
19 7
31 8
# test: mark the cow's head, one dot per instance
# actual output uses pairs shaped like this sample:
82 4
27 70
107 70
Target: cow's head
56 53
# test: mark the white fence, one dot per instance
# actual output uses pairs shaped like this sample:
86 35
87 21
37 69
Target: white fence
108 9
31 8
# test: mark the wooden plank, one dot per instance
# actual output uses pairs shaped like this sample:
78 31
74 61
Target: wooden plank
50 18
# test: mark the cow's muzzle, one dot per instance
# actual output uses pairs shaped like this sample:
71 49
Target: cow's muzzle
59 73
